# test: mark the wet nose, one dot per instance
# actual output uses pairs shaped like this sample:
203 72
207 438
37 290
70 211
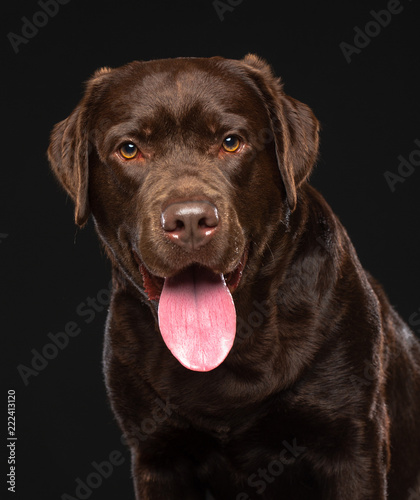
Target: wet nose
190 224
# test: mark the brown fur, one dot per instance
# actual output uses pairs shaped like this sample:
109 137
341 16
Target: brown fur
320 396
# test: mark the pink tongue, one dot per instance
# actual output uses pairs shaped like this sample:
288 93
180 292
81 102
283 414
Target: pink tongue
197 318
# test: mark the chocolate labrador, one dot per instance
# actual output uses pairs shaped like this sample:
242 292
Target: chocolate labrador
248 355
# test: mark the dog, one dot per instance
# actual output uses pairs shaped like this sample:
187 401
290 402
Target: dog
247 352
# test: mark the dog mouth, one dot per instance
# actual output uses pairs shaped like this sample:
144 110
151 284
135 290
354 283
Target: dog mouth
196 312
153 284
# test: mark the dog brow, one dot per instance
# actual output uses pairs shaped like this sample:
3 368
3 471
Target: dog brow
129 128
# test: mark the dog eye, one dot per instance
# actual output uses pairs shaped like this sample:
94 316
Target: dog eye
129 150
231 143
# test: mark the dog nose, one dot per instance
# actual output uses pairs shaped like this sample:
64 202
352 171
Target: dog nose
190 224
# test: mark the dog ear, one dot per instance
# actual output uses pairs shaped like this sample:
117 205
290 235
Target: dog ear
68 152
294 127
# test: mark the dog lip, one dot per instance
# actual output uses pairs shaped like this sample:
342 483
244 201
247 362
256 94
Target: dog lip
153 284
234 277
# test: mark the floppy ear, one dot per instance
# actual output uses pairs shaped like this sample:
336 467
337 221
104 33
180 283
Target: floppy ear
69 151
294 127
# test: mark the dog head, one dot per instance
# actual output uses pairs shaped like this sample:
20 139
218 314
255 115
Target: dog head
184 163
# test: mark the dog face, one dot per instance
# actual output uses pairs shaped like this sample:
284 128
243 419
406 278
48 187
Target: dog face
184 163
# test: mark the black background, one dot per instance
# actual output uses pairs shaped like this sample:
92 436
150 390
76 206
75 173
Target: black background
369 110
